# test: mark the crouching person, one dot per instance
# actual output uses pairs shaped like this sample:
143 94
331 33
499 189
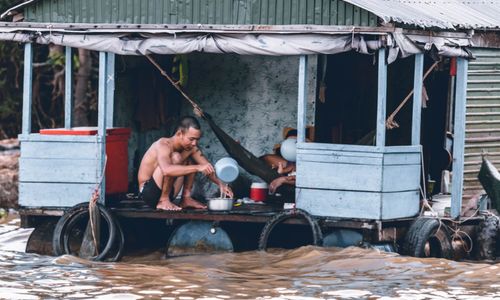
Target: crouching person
171 164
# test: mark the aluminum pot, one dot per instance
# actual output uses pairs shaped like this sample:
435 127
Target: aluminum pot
220 204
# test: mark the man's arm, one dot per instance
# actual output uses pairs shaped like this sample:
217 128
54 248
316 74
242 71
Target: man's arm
199 158
169 168
276 183
286 168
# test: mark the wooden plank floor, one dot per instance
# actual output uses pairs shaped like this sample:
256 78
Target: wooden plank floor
131 207
134 208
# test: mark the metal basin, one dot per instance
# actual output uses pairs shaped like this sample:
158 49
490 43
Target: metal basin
220 204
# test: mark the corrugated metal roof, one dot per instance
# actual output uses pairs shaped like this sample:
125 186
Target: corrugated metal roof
255 12
16 5
472 14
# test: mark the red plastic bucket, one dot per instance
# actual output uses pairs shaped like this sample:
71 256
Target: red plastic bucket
258 191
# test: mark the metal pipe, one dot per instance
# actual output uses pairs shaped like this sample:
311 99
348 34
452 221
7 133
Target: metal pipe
68 90
459 137
27 88
381 98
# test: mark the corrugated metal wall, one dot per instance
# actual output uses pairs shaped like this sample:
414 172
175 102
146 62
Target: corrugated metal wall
483 115
269 12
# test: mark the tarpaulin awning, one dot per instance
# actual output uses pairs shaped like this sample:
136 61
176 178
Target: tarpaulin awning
243 44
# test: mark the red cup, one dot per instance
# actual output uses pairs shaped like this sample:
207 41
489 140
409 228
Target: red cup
258 191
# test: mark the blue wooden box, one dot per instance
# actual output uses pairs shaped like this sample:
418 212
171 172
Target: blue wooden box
362 182
58 170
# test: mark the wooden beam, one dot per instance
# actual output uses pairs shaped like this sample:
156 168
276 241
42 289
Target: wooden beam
101 119
417 98
27 88
459 137
302 100
381 98
68 90
110 89
85 28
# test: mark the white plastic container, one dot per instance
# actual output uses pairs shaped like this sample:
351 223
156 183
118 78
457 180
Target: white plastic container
226 169
440 203
289 149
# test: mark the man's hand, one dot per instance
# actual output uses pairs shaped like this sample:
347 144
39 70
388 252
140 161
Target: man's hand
281 167
206 169
226 190
275 184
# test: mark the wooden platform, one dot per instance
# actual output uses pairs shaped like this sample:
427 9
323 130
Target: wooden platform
242 213
131 207
246 213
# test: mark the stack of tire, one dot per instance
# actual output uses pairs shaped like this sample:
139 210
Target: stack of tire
70 230
487 237
428 237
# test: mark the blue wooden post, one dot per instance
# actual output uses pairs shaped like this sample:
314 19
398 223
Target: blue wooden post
417 98
27 88
381 98
101 119
302 101
459 138
110 89
68 90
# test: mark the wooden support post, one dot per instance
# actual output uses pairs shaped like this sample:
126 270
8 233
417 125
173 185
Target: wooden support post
417 98
302 100
101 119
27 88
381 98
110 89
68 90
459 137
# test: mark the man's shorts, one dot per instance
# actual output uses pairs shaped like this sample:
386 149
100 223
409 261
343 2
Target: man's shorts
150 193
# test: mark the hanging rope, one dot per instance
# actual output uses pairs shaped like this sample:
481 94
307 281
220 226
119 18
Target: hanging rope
197 110
245 158
390 123
93 206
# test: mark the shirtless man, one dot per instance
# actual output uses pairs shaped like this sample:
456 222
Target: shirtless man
172 163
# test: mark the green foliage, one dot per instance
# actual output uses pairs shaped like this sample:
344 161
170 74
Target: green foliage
10 87
56 59
48 85
6 4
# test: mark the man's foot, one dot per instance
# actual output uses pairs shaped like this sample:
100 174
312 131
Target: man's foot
166 204
188 202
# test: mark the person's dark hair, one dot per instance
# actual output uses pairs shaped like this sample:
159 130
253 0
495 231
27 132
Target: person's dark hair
187 122
291 132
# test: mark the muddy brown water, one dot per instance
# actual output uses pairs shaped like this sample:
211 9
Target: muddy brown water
303 273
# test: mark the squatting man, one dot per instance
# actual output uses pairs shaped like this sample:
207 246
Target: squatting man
171 164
